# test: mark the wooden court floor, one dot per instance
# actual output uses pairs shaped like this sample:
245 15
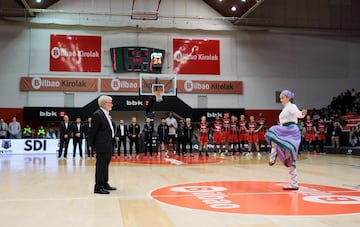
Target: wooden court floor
39 190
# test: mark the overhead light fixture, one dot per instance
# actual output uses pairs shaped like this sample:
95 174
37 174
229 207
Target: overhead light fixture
233 8
38 1
243 0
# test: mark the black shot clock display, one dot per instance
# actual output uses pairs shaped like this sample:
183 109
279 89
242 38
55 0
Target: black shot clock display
137 59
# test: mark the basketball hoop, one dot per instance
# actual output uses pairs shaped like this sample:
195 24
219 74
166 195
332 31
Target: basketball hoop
158 95
158 91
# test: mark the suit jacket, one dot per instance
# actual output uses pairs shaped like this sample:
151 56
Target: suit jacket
65 130
76 130
86 128
100 135
118 131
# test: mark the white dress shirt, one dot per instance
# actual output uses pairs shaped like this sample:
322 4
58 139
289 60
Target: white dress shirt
110 122
290 113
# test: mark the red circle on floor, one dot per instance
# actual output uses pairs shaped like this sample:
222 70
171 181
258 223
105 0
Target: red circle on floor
259 197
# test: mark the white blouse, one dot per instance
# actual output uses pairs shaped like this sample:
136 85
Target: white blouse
290 113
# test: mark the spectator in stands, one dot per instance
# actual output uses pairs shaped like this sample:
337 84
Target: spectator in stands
51 134
14 129
353 137
41 132
335 135
3 129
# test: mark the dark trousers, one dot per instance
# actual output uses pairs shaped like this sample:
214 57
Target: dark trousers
102 169
122 140
182 142
172 139
320 143
148 145
188 141
64 143
132 142
89 152
76 142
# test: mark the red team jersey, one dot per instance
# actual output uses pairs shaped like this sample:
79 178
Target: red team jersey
309 127
262 122
218 132
203 132
226 126
252 135
242 130
321 129
234 132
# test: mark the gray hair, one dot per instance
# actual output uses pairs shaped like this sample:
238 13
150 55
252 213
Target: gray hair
104 99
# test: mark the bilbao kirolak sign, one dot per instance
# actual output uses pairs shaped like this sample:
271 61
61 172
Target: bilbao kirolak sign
209 87
196 56
58 84
75 53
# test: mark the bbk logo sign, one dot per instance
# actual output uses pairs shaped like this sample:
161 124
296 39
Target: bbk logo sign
134 103
47 114
51 113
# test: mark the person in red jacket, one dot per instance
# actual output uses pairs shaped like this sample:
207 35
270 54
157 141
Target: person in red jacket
203 136
226 127
234 134
217 131
320 135
252 130
242 132
263 123
310 132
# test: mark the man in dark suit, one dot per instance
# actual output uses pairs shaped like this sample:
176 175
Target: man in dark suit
134 131
86 128
77 136
121 134
101 140
65 133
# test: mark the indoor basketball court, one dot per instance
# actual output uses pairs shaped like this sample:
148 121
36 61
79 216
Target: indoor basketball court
212 76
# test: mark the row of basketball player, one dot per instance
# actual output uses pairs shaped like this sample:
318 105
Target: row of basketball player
225 135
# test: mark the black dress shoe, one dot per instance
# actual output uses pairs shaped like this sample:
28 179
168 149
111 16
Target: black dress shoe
101 191
108 187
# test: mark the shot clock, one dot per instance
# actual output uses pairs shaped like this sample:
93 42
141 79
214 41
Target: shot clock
137 59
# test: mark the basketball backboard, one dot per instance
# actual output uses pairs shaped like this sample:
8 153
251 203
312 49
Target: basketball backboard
152 84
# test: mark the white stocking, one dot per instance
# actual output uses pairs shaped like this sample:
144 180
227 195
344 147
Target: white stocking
273 153
293 176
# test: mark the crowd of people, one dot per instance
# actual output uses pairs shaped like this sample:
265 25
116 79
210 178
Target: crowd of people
331 120
14 130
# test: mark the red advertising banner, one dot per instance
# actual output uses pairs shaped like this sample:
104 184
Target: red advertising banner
209 87
196 56
119 85
75 53
58 84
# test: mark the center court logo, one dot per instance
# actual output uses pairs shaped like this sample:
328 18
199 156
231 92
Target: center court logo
259 197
